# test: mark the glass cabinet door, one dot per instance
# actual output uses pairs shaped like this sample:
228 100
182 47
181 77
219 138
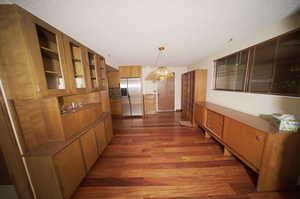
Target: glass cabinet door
287 77
78 68
93 70
103 79
51 60
263 67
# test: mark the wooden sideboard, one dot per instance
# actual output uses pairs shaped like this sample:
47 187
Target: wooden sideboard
273 155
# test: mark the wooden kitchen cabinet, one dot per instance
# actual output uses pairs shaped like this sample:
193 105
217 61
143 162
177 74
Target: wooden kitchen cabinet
113 79
247 141
89 148
108 129
103 73
149 103
193 89
94 70
116 106
37 64
100 136
77 64
70 168
214 122
199 114
130 71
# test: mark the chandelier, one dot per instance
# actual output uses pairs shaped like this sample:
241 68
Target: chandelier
161 72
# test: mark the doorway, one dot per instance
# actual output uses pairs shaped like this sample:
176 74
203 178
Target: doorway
166 94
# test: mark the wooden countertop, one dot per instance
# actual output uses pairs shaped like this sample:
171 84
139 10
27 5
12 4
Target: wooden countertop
83 107
250 120
51 148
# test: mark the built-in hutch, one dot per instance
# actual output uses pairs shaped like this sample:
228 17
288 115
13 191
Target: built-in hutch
58 92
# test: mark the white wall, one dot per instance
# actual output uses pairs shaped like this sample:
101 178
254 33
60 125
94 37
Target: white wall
254 104
150 87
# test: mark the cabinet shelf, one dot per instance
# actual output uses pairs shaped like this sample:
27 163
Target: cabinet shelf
76 60
78 75
49 51
53 72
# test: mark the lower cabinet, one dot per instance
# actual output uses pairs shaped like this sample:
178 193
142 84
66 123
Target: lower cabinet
247 141
199 115
100 136
108 129
57 168
69 168
57 176
215 123
89 148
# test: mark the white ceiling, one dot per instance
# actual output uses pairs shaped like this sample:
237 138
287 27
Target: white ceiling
131 30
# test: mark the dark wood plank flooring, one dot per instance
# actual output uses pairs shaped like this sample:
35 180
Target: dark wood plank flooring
155 158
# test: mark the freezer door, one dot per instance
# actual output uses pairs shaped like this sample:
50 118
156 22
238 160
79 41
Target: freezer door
135 96
126 110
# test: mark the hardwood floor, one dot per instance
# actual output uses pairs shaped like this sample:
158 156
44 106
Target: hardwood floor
155 158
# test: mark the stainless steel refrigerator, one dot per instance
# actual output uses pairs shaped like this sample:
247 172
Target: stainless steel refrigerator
132 97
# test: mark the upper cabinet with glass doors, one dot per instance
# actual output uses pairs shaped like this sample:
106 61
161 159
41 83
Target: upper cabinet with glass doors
75 55
50 45
35 65
51 59
93 64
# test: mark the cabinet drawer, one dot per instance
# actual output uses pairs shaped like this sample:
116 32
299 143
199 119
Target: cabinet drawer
215 123
100 136
70 168
89 148
246 141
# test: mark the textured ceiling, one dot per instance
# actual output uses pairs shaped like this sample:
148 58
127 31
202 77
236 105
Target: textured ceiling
131 30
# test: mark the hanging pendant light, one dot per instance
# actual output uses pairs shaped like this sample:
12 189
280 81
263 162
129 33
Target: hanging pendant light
161 72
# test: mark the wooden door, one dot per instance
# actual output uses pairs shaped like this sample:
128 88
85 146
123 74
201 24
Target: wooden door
166 94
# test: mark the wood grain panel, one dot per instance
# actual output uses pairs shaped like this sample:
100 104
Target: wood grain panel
100 136
214 122
149 103
113 79
89 148
108 129
51 112
245 140
116 106
70 168
31 121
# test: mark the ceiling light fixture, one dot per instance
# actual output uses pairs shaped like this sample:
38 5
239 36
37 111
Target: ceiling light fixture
161 72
